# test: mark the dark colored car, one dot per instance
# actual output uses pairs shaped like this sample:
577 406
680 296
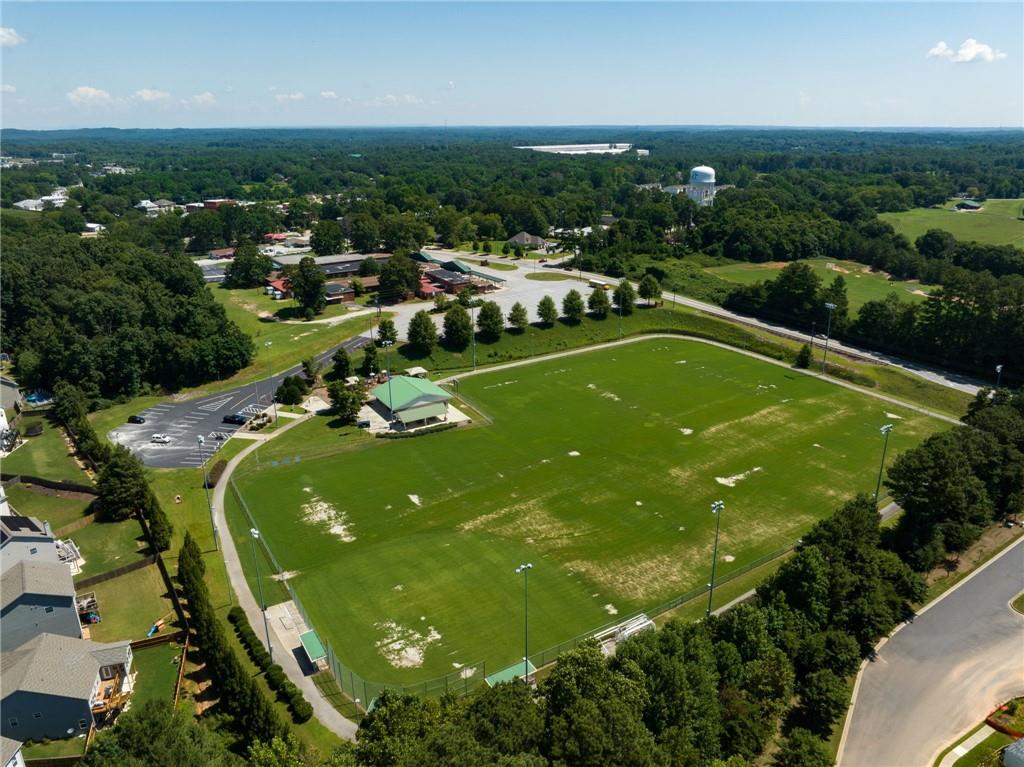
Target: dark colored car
136 419
236 418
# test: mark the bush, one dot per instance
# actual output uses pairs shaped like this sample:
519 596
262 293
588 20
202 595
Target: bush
417 433
236 614
213 475
275 677
803 359
302 711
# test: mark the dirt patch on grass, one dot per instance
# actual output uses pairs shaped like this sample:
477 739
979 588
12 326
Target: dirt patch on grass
404 647
536 524
324 514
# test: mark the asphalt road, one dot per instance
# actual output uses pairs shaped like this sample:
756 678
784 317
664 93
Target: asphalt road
942 674
184 421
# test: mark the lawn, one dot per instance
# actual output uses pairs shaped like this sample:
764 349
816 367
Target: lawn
412 577
1018 603
862 284
52 506
46 456
986 753
549 276
108 545
157 669
999 223
130 604
55 749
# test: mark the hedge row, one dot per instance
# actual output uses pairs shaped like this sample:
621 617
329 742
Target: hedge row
240 694
214 475
417 433
274 674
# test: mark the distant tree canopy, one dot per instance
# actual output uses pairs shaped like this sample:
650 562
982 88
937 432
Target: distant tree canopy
112 317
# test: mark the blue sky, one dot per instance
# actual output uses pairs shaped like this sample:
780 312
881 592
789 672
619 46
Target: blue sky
297 64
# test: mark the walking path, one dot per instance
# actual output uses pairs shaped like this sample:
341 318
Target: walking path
283 656
951 758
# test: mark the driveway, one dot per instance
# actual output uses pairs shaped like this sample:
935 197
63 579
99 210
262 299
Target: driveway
942 674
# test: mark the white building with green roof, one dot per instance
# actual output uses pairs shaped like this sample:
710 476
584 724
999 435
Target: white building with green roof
413 400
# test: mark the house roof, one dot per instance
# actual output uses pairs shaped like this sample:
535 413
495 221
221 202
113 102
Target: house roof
164 203
8 748
446 275
23 528
409 393
432 410
337 288
52 664
30 577
525 238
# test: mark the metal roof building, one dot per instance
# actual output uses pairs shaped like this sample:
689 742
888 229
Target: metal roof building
413 399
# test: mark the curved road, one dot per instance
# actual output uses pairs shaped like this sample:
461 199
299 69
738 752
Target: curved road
937 677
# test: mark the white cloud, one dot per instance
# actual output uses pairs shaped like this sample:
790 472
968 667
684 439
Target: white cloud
5 88
203 99
9 37
86 95
283 97
328 95
150 94
390 99
970 50
804 98
451 85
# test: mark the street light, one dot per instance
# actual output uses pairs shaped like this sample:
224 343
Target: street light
525 570
206 486
878 486
270 374
472 330
828 332
999 375
716 508
254 536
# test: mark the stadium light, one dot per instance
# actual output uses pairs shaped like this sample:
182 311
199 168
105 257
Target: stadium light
254 535
387 350
200 440
716 508
828 332
878 486
525 570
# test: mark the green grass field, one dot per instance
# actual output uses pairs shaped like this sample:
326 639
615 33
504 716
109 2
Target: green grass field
862 284
158 672
46 456
108 545
56 508
999 223
404 550
129 605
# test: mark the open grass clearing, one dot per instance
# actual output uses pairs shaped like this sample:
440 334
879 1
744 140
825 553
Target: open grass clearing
863 284
108 545
57 507
47 455
157 669
599 475
549 276
998 223
54 749
130 604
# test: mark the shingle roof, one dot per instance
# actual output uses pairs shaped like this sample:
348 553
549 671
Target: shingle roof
8 748
27 577
409 393
52 664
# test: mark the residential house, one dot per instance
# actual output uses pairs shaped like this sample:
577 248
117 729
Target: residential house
37 597
148 207
337 292
53 686
33 205
25 539
164 205
221 253
10 753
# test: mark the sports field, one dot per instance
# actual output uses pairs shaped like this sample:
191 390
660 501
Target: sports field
599 468
862 283
998 223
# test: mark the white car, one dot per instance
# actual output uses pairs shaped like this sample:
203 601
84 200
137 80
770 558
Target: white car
160 439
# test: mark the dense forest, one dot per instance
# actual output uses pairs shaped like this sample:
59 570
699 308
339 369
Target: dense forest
795 194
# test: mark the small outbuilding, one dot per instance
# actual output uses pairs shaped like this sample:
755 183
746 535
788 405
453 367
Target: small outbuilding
1013 756
413 401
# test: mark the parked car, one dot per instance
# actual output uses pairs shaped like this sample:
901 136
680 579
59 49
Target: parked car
236 418
136 419
363 423
160 439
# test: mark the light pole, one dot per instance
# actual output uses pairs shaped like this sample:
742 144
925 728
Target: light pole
270 374
716 508
254 536
999 375
828 332
472 331
525 570
878 485
387 350
200 440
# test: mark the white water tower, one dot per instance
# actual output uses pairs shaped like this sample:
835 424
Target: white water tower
701 188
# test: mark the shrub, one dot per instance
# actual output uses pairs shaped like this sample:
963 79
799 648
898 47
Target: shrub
213 475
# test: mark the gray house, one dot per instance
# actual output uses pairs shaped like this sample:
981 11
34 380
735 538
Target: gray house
53 686
10 753
25 539
37 597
